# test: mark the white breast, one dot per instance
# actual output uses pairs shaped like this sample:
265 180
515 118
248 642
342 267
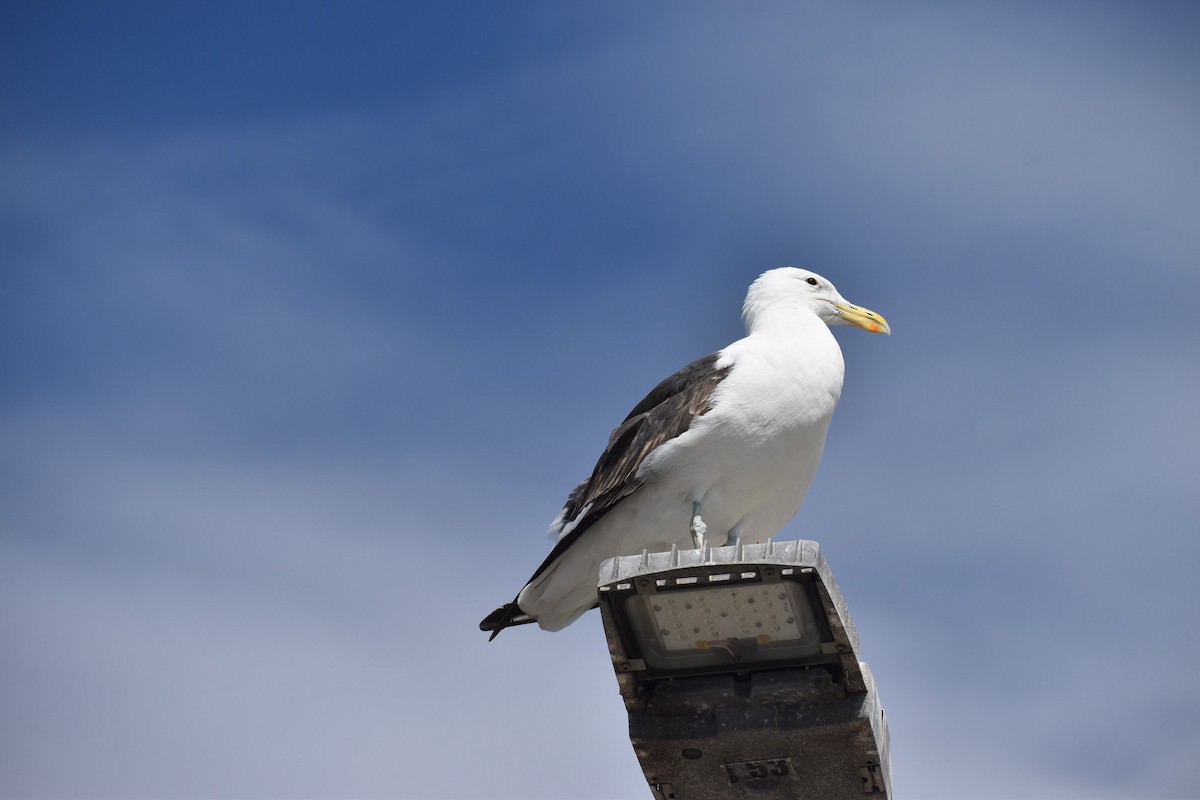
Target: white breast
751 458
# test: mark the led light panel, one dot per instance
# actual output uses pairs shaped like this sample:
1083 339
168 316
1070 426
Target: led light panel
722 623
697 619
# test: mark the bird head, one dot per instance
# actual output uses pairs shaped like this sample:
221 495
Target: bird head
792 291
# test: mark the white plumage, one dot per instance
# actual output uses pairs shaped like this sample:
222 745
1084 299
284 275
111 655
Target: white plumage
736 436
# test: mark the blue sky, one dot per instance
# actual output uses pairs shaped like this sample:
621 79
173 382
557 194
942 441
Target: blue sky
312 313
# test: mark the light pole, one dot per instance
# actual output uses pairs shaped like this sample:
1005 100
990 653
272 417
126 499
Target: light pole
739 670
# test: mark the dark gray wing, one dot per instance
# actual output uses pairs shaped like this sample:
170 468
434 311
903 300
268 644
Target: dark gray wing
666 412
661 416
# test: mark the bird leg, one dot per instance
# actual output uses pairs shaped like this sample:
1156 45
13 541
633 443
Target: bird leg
698 528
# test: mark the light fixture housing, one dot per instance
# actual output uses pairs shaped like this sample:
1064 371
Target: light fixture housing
739 670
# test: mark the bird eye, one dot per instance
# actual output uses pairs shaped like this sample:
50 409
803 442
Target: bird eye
811 281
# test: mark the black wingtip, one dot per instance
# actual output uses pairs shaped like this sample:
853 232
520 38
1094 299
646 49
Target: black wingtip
503 617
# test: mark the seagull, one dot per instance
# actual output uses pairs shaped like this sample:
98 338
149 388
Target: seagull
721 451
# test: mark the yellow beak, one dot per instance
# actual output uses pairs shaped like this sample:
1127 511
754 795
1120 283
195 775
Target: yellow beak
863 317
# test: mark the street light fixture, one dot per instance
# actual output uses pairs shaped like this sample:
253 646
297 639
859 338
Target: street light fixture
739 670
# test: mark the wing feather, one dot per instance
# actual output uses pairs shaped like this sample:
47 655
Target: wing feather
666 412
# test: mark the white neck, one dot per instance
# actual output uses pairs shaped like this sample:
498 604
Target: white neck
776 318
